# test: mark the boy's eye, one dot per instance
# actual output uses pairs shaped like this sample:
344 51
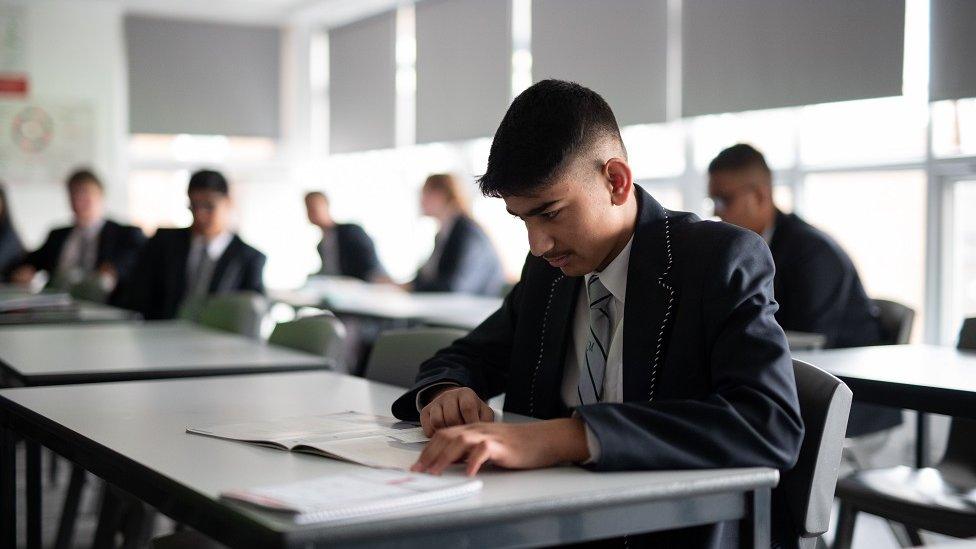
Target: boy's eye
551 214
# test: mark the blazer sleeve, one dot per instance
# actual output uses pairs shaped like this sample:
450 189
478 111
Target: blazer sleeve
143 280
818 286
254 274
479 360
751 416
131 241
366 250
44 258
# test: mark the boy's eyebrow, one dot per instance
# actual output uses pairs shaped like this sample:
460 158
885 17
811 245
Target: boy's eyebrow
535 211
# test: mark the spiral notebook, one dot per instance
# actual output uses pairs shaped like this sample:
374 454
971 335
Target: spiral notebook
355 495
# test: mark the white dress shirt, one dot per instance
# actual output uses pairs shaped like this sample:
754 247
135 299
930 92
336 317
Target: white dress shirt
429 269
329 252
614 278
200 282
80 253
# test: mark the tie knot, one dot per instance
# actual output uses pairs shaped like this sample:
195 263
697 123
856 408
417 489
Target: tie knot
597 293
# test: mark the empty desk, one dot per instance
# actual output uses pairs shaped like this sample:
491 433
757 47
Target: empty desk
182 475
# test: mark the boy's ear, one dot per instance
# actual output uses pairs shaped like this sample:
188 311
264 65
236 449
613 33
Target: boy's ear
618 175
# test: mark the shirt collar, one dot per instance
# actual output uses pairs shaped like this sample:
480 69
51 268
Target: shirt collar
93 229
217 245
767 235
614 276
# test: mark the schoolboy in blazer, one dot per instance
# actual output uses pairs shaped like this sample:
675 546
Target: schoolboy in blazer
645 338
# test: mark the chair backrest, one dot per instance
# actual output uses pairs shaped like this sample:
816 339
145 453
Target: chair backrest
896 321
967 335
240 312
322 334
397 354
825 403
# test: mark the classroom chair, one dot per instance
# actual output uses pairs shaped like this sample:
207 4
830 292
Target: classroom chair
896 321
397 354
322 334
808 487
239 312
938 499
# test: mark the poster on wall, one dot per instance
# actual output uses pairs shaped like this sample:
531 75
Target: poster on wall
41 141
13 54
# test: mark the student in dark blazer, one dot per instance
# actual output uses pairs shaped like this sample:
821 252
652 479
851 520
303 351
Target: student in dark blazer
645 338
817 287
345 248
11 247
92 246
463 259
179 268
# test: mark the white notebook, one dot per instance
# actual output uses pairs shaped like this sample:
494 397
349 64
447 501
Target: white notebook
374 441
354 495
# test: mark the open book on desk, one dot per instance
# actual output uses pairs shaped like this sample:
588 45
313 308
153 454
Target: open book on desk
366 439
355 494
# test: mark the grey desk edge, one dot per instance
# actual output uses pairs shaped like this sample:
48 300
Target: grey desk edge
241 527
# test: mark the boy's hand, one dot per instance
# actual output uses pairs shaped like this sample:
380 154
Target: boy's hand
454 406
516 446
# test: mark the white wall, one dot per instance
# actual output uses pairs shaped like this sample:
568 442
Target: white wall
75 52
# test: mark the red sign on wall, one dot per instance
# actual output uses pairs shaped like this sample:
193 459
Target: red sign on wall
13 85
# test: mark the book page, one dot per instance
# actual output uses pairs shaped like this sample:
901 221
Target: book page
319 431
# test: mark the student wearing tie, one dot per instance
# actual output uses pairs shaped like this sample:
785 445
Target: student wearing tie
643 338
345 248
11 247
92 247
817 285
463 259
179 268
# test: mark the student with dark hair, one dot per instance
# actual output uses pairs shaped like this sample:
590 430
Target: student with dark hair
643 338
345 248
11 247
463 259
179 268
93 246
816 285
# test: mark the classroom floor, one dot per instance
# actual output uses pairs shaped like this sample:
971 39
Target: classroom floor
870 532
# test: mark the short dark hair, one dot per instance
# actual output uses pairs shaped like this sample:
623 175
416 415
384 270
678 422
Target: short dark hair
208 180
738 157
81 176
546 126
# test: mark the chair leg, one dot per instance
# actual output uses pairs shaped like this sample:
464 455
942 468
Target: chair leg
845 526
138 527
54 468
914 536
69 513
109 518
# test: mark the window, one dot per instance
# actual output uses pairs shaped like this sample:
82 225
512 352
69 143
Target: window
862 132
954 128
878 218
962 257
772 132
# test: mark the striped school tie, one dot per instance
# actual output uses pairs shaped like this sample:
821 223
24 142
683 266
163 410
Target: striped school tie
590 386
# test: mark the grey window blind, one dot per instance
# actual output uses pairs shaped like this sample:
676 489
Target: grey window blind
202 78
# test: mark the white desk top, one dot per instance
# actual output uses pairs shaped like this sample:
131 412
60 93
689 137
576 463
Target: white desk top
930 378
380 301
58 354
137 429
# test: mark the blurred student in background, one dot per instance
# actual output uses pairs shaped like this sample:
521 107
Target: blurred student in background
91 248
345 248
179 268
463 259
11 247
816 285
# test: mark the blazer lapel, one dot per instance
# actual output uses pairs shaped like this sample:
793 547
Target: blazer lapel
651 299
181 257
555 336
